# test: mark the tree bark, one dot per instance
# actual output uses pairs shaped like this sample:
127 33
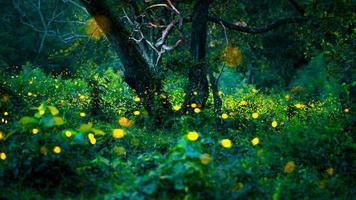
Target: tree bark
137 73
197 90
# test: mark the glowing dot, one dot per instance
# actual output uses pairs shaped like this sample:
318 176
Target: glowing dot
243 103
137 113
205 158
82 114
123 121
92 141
220 93
195 93
254 90
3 156
68 133
274 124
226 143
176 107
330 171
1 135
57 149
192 136
224 116
197 110
287 97
193 105
29 94
289 167
137 99
255 141
91 136
346 110
6 113
82 97
35 131
255 115
299 105
118 133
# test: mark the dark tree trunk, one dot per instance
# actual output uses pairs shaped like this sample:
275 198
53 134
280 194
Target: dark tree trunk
137 72
197 90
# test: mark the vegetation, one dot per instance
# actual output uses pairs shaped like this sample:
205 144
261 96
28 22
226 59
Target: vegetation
177 99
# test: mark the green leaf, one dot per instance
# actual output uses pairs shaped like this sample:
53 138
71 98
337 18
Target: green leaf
84 128
53 110
27 120
58 121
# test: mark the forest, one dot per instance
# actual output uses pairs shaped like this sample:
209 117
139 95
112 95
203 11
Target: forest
177 99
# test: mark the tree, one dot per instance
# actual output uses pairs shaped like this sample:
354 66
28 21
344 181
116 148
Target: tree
139 75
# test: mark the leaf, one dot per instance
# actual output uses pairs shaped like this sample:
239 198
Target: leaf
58 121
53 110
98 132
84 128
47 121
27 120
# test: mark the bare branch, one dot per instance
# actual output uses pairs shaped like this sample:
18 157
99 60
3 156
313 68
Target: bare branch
255 30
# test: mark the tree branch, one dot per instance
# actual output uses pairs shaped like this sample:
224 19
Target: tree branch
255 30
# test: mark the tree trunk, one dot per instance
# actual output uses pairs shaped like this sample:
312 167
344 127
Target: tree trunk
137 72
197 90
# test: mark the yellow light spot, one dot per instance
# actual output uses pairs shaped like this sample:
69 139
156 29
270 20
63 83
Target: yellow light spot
226 143
81 97
92 141
289 167
299 105
42 112
197 110
254 90
137 113
35 131
118 133
330 171
346 110
220 93
255 141
224 116
205 158
6 113
243 103
97 26
176 107
232 56
274 124
1 135
192 136
123 121
255 115
193 105
91 136
287 97
68 134
29 94
137 99
57 149
82 114
3 156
